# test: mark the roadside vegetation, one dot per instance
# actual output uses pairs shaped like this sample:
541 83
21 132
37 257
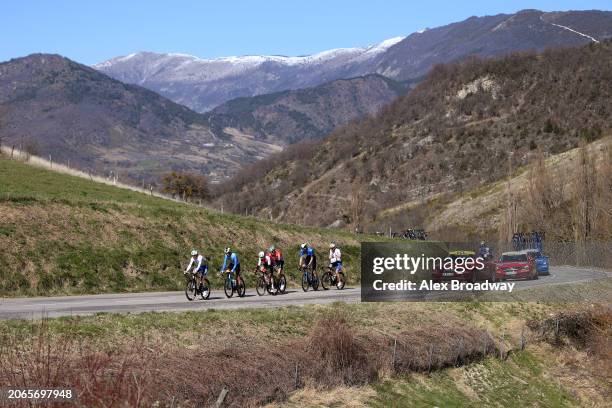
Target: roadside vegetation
63 234
399 354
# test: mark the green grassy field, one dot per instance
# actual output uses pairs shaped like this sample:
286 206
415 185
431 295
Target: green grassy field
63 234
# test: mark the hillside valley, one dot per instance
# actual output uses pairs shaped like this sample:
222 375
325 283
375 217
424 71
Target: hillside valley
55 107
456 131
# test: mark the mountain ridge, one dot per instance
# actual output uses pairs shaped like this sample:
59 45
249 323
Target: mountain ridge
203 84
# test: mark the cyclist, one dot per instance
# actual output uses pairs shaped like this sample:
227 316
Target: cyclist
266 265
308 257
277 258
200 266
483 251
231 262
335 259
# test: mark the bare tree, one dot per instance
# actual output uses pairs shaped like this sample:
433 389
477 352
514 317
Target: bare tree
357 206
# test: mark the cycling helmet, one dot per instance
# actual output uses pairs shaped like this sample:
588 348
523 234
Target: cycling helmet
261 254
194 252
228 250
482 242
332 245
303 245
272 248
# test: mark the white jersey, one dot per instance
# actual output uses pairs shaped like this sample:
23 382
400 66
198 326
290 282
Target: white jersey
335 255
266 261
198 261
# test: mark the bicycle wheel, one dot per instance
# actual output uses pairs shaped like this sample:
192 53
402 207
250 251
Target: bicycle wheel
326 280
340 281
261 286
314 281
205 293
305 282
282 284
227 288
190 290
240 288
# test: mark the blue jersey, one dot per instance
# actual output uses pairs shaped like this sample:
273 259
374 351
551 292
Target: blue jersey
307 251
230 259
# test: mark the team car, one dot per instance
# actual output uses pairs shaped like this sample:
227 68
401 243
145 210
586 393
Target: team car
515 265
541 261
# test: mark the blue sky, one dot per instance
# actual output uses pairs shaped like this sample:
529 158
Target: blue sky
93 31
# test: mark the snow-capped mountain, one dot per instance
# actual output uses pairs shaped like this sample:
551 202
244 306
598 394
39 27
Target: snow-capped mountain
203 84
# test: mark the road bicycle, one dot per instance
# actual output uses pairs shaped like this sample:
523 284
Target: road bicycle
309 279
329 278
231 285
264 282
192 290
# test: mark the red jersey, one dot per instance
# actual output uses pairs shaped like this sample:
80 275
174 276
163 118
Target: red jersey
276 255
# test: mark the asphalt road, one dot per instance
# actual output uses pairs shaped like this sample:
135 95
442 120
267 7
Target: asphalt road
37 307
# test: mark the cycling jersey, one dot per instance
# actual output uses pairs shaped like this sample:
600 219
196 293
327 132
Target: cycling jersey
201 265
335 255
483 251
307 251
266 263
276 255
308 258
230 261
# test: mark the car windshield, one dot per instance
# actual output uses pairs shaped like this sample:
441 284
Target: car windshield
514 258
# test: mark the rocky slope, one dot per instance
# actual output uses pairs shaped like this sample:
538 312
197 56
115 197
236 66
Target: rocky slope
456 130
290 116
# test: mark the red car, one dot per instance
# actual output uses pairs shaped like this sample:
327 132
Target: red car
515 265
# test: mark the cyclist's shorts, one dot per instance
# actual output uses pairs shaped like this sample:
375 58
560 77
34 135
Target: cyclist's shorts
307 259
337 266
203 270
280 263
231 266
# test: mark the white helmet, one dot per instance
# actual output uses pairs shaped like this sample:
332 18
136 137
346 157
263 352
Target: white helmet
304 245
228 250
194 252
332 245
261 254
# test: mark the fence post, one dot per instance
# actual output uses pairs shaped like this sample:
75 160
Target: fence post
523 340
296 379
431 349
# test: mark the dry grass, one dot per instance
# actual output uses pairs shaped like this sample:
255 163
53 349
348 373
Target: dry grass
138 372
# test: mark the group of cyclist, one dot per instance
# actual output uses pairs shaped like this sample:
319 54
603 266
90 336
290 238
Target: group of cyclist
269 261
